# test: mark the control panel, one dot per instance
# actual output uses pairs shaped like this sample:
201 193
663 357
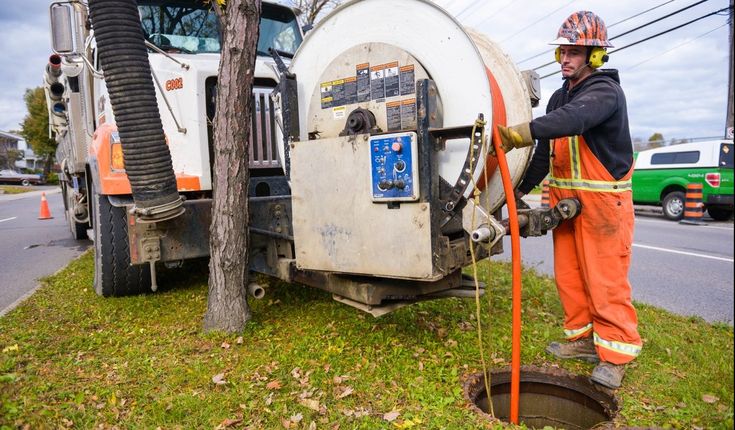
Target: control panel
395 170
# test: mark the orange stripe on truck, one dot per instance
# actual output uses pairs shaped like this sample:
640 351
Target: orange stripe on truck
114 181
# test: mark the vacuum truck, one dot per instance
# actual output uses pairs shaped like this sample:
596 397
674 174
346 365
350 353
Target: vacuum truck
371 169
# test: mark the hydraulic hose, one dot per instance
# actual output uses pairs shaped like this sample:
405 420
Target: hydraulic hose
124 60
515 243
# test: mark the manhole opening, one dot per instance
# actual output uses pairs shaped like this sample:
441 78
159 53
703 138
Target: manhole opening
548 397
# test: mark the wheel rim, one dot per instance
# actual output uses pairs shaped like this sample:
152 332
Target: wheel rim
25 182
675 206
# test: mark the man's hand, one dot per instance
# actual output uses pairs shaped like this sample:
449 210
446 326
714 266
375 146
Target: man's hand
517 136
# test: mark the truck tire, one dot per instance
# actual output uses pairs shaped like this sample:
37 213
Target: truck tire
673 205
719 214
114 276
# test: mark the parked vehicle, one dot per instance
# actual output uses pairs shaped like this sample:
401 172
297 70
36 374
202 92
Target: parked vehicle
661 176
8 176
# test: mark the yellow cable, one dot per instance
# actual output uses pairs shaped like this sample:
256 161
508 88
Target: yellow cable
478 313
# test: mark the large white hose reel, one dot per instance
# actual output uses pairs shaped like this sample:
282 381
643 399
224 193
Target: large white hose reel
416 39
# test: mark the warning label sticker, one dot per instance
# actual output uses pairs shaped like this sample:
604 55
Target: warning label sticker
408 80
339 112
377 82
393 115
373 83
350 90
363 82
392 83
338 92
408 114
326 94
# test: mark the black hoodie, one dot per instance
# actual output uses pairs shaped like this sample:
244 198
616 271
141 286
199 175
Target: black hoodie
594 109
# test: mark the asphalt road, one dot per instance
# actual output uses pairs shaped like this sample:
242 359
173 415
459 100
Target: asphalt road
685 269
31 248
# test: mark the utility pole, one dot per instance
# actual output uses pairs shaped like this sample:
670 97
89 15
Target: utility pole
729 120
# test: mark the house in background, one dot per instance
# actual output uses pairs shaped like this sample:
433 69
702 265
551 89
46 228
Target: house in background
12 145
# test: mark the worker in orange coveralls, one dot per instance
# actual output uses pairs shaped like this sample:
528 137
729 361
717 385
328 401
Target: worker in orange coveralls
584 146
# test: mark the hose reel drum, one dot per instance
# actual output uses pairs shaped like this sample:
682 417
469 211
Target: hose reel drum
360 74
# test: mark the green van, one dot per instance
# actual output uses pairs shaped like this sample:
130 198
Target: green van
662 174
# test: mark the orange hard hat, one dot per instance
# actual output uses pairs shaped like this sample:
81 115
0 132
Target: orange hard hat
583 28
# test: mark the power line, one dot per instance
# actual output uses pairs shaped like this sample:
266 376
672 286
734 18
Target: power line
497 12
539 20
609 26
677 46
638 28
655 35
469 6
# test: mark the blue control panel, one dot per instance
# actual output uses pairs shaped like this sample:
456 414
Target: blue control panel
394 164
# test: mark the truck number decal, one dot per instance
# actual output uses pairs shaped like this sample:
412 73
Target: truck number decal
174 84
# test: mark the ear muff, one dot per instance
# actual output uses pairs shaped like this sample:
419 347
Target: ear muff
598 57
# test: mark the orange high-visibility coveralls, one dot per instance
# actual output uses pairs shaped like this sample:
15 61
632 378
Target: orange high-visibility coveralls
592 252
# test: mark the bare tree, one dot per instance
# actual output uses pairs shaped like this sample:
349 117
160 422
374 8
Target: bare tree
227 307
311 9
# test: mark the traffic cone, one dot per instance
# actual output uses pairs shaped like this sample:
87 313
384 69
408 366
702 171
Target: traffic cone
545 194
44 213
693 206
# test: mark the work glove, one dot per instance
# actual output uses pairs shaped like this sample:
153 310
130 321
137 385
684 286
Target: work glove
517 136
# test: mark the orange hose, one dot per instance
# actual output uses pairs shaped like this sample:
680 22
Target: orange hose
515 243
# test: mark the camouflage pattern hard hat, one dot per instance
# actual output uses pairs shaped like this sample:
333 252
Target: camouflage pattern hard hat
583 28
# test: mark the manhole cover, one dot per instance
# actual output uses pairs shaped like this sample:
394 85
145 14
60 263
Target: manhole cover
548 397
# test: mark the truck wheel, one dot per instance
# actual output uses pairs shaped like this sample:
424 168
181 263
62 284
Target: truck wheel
719 214
673 205
114 276
25 183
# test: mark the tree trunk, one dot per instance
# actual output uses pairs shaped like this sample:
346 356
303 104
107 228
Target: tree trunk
227 307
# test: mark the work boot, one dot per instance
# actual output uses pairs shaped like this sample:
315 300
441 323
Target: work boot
608 375
582 349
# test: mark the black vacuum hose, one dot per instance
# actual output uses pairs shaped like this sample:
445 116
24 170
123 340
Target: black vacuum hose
124 60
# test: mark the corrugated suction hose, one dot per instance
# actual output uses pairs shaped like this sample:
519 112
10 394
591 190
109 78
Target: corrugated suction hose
124 60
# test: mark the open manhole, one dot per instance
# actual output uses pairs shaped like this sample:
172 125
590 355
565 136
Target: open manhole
548 397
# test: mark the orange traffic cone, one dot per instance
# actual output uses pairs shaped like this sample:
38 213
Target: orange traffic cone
44 213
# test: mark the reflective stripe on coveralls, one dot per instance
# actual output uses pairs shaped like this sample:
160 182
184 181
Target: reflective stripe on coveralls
592 252
572 334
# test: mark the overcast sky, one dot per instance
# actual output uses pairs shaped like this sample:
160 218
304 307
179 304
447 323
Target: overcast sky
676 84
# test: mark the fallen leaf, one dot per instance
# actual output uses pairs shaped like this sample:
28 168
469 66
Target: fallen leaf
709 398
225 345
274 385
268 399
219 379
345 392
286 423
229 422
391 416
296 418
312 425
310 403
239 340
11 348
421 365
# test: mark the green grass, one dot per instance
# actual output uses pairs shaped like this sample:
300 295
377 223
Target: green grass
12 189
70 359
